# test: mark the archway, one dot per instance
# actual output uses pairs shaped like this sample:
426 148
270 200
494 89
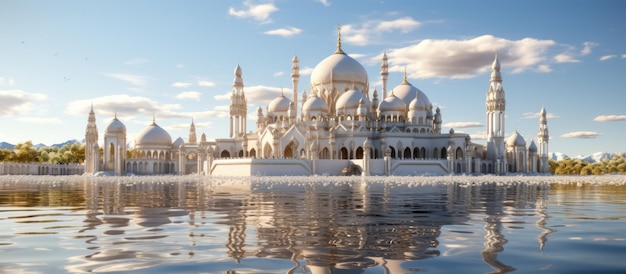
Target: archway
407 153
253 153
343 153
225 154
444 153
393 152
359 153
416 153
459 153
288 152
267 151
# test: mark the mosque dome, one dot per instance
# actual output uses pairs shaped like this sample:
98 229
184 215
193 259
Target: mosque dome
408 92
392 103
417 104
153 135
516 140
339 67
279 104
350 100
532 147
115 126
314 104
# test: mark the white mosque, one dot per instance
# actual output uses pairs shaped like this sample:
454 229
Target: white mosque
340 128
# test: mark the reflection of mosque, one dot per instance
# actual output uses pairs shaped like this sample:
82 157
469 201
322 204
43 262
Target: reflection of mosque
338 228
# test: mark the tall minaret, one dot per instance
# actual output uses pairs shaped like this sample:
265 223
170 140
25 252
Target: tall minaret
192 133
495 105
91 144
542 137
238 106
384 73
295 76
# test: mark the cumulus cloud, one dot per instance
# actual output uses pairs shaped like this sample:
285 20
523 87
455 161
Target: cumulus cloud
456 125
364 33
13 102
306 71
259 94
40 120
607 57
565 58
189 95
587 47
279 73
623 55
324 2
432 58
204 83
130 106
129 78
479 136
536 115
260 13
284 32
581 135
181 85
610 118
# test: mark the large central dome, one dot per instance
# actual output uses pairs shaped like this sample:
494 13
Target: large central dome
153 135
340 69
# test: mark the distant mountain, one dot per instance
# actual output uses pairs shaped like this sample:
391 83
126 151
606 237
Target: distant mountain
6 145
592 158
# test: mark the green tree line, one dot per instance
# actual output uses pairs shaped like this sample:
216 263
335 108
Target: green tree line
26 153
569 166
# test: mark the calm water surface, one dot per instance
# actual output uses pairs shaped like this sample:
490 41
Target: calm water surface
312 225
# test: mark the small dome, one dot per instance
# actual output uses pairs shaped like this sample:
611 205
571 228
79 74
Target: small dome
279 104
350 100
179 141
392 103
313 104
408 92
516 140
418 104
532 147
115 126
153 135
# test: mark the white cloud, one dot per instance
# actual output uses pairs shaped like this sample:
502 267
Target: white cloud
203 83
40 120
610 118
181 85
432 58
581 135
261 13
259 94
306 71
129 78
607 57
324 2
565 58
623 55
587 46
536 115
284 32
279 73
7 81
121 104
13 102
479 136
190 95
456 125
366 32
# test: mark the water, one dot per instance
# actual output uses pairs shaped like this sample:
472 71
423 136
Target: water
313 224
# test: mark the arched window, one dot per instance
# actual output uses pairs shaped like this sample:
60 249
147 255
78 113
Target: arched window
444 153
252 153
423 152
416 153
240 153
225 154
393 152
459 154
407 153
344 153
359 153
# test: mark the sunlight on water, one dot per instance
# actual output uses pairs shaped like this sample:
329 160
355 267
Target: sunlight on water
483 224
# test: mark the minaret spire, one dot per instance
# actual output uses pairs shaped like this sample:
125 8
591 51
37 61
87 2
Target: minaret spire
495 107
339 50
543 138
384 73
238 105
91 144
295 77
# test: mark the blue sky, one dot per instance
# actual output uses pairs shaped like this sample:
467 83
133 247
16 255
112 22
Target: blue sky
175 60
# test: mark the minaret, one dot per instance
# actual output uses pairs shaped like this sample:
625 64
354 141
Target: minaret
192 133
91 144
295 76
238 106
495 105
384 73
542 138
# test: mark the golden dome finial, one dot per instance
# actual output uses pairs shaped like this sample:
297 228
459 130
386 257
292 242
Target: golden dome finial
339 50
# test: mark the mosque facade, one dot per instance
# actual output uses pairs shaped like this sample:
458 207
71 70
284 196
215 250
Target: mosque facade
340 127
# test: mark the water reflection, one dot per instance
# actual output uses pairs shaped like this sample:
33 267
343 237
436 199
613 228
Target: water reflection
319 227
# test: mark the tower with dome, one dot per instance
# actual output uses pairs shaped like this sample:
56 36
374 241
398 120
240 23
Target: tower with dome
340 127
